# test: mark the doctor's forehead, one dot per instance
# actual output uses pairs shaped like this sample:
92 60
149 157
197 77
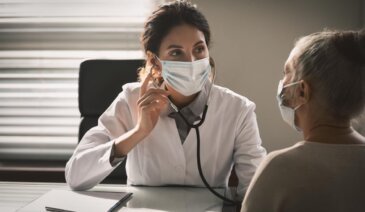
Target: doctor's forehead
183 35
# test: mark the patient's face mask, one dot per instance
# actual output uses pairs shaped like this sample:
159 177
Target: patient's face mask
287 113
187 78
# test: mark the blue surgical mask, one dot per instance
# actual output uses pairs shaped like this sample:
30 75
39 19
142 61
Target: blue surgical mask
187 78
287 113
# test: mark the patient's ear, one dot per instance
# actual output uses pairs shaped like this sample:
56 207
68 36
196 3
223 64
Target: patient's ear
304 92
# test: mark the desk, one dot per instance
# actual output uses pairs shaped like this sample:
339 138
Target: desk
14 195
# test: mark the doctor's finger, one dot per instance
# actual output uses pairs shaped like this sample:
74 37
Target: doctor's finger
152 92
152 98
145 84
155 106
157 90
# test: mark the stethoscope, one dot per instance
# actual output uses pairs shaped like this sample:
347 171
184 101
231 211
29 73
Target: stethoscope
196 127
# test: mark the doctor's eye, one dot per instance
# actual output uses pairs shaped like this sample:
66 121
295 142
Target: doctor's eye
200 49
175 53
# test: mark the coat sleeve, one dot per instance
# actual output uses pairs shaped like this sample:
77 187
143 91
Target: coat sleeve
248 152
90 162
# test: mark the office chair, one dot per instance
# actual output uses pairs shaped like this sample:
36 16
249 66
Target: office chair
100 81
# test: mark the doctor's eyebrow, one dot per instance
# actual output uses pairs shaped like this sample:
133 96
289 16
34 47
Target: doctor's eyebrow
199 42
174 46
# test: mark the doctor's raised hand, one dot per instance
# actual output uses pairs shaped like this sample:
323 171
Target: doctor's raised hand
150 104
176 126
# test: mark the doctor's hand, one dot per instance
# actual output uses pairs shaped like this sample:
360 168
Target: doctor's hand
150 104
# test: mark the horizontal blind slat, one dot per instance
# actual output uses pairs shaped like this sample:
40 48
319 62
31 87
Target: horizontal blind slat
38 95
39 103
43 86
48 142
65 112
69 140
80 54
76 8
36 153
48 121
34 130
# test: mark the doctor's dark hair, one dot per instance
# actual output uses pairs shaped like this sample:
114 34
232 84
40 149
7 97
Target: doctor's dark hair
168 16
333 64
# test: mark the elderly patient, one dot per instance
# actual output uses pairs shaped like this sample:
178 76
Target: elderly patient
322 90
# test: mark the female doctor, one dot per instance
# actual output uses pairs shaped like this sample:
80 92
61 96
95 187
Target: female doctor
148 121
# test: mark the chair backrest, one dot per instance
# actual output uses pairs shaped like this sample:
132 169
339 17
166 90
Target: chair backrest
100 81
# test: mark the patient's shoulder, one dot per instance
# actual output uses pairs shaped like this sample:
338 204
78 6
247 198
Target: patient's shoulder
286 159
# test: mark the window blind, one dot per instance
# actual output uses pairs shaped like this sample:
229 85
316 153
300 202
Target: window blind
42 43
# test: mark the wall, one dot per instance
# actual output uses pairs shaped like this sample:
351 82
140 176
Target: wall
252 39
363 13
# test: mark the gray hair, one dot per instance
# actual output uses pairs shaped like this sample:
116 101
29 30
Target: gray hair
333 63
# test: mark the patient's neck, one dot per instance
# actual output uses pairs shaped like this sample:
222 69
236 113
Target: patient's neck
334 134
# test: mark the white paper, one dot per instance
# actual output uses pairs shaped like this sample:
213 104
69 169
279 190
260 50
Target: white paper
140 210
86 201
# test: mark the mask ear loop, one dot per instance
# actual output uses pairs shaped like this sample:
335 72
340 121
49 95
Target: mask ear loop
212 66
157 82
154 83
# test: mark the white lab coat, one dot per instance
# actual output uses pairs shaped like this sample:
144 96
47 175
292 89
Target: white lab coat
229 136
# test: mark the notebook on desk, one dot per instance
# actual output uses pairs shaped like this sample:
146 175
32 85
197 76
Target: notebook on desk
85 201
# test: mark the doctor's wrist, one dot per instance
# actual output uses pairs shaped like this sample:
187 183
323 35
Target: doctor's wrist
126 142
140 131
